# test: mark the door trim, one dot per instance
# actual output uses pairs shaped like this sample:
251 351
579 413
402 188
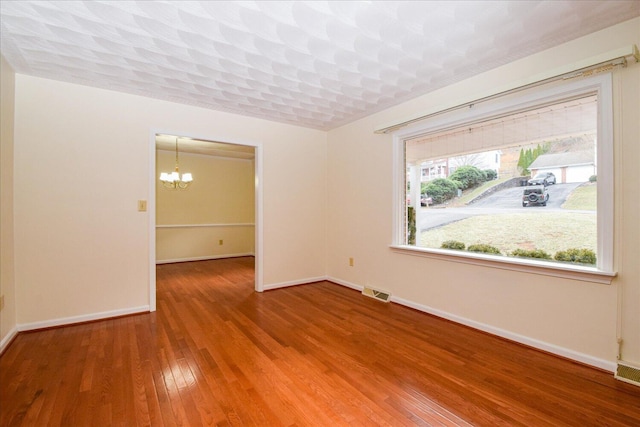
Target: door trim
151 205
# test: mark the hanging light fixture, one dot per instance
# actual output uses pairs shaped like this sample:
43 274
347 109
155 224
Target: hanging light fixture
173 179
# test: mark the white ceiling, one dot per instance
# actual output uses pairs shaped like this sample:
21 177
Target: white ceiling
314 64
207 148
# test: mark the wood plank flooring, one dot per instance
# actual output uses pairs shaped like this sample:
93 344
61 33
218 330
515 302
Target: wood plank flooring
217 353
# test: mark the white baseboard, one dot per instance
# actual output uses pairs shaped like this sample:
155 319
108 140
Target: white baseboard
8 338
346 284
79 319
531 342
294 283
541 345
203 258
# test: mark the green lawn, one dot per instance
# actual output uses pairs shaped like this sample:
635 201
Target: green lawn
583 198
551 232
469 195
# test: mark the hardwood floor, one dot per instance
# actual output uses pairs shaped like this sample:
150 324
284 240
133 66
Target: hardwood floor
217 353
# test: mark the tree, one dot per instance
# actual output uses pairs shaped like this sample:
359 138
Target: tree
469 176
528 156
441 189
476 160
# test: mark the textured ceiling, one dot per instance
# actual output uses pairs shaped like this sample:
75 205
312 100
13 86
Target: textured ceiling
207 148
315 64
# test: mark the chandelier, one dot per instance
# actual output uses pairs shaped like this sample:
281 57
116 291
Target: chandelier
173 179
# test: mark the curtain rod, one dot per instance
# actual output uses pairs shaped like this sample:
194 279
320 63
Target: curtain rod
617 58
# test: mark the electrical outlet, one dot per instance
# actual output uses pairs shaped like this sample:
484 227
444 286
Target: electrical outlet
350 262
142 205
220 242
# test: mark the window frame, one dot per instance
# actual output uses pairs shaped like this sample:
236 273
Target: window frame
600 85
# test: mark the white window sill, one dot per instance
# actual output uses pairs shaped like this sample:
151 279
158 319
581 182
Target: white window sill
533 266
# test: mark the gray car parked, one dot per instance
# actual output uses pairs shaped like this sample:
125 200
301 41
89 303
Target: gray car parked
543 178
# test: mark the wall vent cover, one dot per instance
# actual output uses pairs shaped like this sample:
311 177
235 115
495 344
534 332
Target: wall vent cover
379 295
628 374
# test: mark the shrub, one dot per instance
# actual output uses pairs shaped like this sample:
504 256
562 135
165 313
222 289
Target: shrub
441 190
469 176
457 183
490 174
582 256
593 178
411 225
452 244
534 253
487 249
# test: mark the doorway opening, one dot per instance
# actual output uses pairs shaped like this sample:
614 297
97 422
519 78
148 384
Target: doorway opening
217 215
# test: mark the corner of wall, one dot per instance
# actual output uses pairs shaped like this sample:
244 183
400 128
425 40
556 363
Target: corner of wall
7 277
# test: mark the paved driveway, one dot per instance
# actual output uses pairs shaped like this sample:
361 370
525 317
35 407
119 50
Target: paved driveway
512 197
505 201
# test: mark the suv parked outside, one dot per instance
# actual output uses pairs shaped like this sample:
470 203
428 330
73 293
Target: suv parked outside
535 194
544 178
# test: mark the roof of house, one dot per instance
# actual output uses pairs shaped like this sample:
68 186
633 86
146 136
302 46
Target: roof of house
563 159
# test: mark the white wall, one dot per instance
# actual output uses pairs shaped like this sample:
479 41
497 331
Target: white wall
82 161
7 283
218 205
574 318
579 173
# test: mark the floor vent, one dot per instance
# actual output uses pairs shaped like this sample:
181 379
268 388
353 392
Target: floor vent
379 295
628 374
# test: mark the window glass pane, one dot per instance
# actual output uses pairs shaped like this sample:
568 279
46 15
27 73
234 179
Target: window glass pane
520 185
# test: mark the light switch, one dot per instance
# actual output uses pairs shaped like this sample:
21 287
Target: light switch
142 205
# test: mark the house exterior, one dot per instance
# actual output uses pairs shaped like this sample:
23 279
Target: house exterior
567 167
434 169
443 168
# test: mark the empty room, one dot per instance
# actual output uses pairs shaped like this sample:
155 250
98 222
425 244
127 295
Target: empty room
319 213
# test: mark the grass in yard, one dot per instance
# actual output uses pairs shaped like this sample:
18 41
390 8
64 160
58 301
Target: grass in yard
467 196
550 232
583 198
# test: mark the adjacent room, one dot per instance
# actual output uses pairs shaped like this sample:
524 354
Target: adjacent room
194 225
319 213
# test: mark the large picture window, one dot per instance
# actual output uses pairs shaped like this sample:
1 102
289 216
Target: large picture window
525 180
